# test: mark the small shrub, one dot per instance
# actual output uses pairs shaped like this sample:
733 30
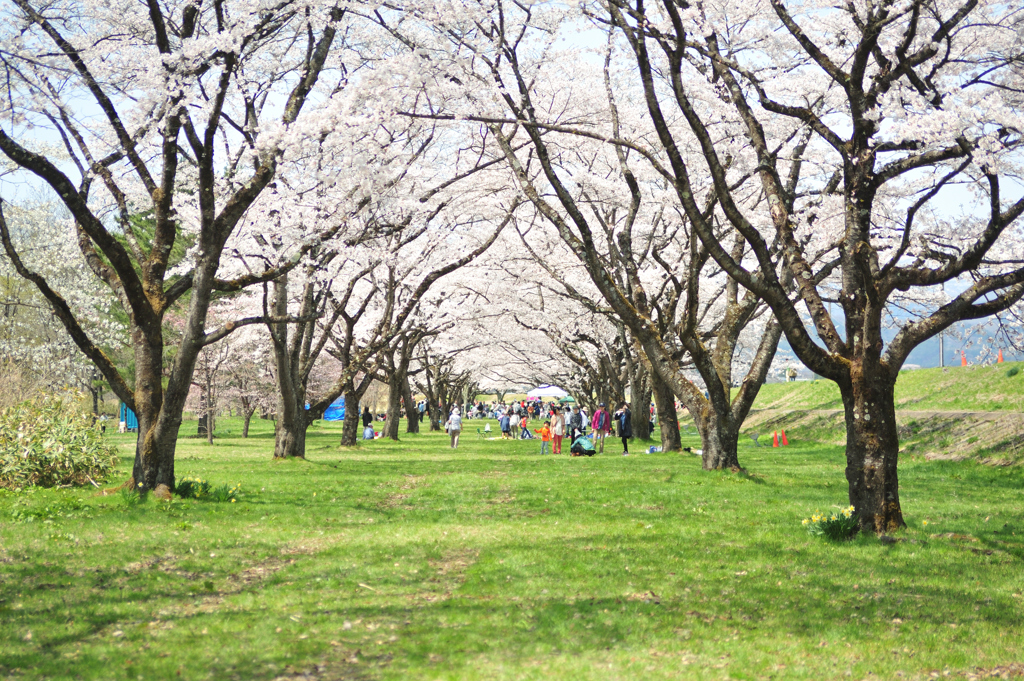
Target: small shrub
1010 373
128 498
192 488
225 493
837 526
50 442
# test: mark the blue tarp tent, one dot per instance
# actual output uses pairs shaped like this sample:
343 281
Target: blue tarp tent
131 421
335 412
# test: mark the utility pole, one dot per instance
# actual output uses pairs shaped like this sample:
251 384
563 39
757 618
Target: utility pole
942 350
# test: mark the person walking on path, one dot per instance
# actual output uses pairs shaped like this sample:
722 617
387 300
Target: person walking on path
625 423
545 437
454 427
601 424
557 431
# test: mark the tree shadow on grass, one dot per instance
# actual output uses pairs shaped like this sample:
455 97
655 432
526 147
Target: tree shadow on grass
505 601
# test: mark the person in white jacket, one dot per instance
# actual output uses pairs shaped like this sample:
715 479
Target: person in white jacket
557 430
454 427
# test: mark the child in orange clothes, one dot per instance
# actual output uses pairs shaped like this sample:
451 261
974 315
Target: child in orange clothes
545 437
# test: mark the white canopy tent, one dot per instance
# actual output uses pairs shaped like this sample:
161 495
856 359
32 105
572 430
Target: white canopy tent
547 391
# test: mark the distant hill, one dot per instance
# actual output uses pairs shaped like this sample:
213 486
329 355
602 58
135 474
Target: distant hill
972 388
974 412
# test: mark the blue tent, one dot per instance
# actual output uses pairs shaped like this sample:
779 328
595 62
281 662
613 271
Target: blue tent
335 412
131 421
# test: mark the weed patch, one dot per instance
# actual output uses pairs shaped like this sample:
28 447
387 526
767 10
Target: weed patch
49 442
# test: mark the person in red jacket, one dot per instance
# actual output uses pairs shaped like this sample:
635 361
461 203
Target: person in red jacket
601 424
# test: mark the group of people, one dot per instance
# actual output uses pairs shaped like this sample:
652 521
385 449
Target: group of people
494 410
601 423
554 430
514 424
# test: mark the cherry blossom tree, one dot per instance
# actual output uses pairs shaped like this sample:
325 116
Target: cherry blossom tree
191 109
908 116
578 152
553 332
447 371
376 307
206 381
863 156
36 351
249 381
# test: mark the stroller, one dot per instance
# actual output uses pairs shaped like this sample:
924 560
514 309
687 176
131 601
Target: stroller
583 446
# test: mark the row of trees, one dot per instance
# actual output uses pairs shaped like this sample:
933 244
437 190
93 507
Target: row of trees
612 194
816 154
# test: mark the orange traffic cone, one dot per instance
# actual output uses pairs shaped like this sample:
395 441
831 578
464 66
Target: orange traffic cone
785 442
963 359
1000 359
775 440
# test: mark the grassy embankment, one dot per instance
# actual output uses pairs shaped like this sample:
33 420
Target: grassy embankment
969 412
411 561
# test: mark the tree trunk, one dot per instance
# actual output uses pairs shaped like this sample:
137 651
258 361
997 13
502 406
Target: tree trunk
154 456
668 420
639 387
159 415
290 427
719 442
394 405
412 424
290 437
640 406
247 414
292 419
209 410
350 425
442 409
872 448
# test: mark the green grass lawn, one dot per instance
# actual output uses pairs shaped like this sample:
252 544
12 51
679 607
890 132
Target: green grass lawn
974 388
412 561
